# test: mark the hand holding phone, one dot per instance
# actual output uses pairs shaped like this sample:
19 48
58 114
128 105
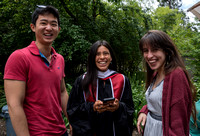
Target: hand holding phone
111 104
108 100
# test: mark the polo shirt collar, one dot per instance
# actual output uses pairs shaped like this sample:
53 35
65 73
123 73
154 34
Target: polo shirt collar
34 49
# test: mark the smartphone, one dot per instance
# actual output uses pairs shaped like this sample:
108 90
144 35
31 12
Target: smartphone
108 100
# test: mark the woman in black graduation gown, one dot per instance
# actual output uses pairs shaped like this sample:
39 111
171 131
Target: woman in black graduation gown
88 114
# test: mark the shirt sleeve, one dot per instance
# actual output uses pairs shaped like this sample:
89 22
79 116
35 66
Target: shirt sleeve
16 67
144 110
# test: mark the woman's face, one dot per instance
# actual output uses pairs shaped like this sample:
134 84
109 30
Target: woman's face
155 58
103 58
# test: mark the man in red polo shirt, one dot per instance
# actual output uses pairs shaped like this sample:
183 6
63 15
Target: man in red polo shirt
34 80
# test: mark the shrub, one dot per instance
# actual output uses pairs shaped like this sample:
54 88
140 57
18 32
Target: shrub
68 87
138 93
197 85
2 93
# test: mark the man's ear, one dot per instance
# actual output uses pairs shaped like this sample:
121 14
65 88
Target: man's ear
32 27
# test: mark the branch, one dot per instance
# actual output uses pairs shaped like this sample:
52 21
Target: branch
68 11
94 10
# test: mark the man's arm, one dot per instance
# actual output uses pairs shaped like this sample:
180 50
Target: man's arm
64 97
15 94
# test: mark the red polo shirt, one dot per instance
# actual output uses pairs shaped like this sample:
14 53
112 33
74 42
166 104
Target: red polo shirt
42 103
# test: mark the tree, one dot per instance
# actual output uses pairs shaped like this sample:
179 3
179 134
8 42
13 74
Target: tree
122 25
165 19
14 27
172 4
120 22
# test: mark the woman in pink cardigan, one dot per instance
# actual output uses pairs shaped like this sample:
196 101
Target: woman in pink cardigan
170 94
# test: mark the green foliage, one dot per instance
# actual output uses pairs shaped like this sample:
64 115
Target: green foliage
66 121
2 93
166 19
197 85
72 44
193 54
122 23
172 4
68 87
138 94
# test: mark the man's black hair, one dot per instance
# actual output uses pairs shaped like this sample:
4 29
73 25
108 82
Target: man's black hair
41 10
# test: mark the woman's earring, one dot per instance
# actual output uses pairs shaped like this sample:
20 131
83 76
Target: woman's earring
168 60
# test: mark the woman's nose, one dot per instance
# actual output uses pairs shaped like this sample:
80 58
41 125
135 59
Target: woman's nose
149 54
102 56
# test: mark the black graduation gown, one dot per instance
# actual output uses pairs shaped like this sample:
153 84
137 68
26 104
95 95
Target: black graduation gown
86 122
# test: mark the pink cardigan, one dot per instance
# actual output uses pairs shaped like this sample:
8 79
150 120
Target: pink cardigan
176 104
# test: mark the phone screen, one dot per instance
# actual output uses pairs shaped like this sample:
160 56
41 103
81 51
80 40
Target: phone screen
108 100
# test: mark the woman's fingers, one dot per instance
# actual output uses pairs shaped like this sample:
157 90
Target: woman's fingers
141 122
113 106
100 107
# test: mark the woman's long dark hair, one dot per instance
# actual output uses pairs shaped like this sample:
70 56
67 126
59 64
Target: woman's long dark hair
160 40
91 75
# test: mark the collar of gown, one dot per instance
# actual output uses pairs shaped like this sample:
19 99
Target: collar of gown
105 74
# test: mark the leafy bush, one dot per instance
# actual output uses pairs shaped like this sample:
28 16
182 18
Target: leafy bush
2 99
197 85
68 87
138 93
2 93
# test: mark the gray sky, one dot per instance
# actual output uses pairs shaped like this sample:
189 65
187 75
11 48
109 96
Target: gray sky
186 5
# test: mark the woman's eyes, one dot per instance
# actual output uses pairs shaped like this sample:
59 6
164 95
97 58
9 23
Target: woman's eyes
104 53
152 50
145 50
